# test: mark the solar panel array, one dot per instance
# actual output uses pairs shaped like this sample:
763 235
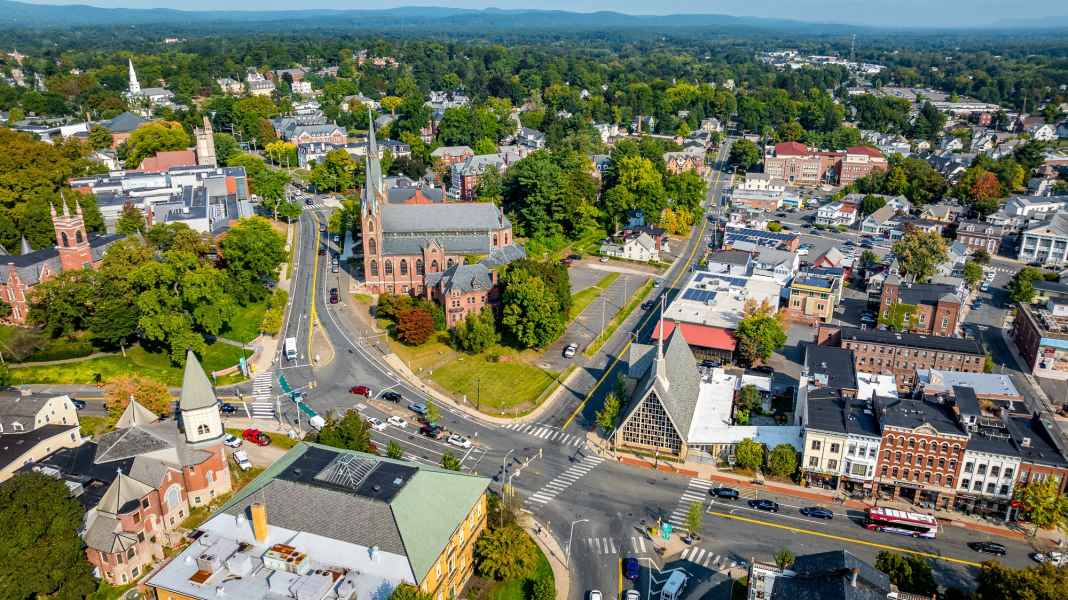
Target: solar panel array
698 295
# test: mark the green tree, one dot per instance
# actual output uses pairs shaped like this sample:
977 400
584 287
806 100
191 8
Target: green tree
784 559
686 190
608 413
920 252
749 454
782 461
251 252
506 554
43 554
544 588
998 582
433 414
475 333
1021 287
131 221
350 432
981 257
744 154
226 147
695 516
869 259
335 172
871 203
910 573
973 273
99 137
774 226
1043 504
760 333
530 310
414 326
450 462
394 450
749 398
62 305
407 591
150 138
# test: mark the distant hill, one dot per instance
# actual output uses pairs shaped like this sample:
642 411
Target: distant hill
63 16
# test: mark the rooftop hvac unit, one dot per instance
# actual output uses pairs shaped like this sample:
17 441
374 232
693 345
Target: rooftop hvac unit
283 557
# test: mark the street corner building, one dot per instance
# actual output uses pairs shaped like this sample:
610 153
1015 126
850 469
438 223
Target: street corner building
425 249
139 482
323 522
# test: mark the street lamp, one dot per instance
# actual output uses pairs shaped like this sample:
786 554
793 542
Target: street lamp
567 553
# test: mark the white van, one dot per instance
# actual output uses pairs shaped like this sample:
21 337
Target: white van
674 586
290 348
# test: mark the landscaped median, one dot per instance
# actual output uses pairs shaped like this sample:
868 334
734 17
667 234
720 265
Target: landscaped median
583 298
617 320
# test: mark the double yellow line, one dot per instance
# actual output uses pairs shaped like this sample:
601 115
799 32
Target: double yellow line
313 315
648 315
840 538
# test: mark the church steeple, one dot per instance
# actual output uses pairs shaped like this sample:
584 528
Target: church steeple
373 192
135 86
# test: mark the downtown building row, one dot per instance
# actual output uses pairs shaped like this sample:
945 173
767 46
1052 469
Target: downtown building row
957 439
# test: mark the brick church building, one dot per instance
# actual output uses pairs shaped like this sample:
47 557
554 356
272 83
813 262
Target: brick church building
404 243
75 249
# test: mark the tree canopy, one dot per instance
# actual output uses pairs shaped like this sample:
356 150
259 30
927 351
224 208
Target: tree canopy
760 332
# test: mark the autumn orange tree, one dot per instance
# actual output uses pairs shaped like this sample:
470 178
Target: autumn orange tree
149 393
414 326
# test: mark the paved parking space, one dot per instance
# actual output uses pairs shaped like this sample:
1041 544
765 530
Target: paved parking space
583 277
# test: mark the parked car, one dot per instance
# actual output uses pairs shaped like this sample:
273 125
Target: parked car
78 404
647 305
232 441
604 259
376 424
417 407
322 227
459 441
817 512
360 390
988 548
397 422
256 437
725 493
391 396
434 432
595 595
631 568
570 350
763 504
227 409
632 595
337 239
242 460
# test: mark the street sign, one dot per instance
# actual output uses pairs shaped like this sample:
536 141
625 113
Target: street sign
285 384
665 531
244 366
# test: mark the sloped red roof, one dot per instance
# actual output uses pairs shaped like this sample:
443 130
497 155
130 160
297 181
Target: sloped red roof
704 336
231 184
165 160
791 149
873 152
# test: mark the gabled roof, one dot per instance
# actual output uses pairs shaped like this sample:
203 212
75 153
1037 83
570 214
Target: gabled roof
135 414
462 278
676 383
448 217
123 496
197 392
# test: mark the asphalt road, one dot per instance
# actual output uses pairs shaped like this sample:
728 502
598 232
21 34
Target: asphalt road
558 479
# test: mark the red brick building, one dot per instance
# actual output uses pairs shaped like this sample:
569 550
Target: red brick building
462 290
1042 455
979 235
921 452
799 164
901 354
75 249
937 306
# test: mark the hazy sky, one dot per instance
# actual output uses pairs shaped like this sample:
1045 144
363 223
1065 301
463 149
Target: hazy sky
930 13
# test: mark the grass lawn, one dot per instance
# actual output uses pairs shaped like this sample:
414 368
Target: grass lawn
581 299
245 326
589 243
514 589
137 362
508 384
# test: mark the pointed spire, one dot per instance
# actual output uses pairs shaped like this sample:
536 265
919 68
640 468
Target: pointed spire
660 338
135 414
197 392
373 185
25 248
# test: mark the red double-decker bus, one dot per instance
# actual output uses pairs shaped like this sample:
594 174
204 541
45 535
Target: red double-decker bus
901 522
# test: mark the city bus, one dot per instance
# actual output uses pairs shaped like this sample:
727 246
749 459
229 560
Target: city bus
901 522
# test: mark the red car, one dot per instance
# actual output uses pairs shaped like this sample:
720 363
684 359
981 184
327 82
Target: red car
256 437
360 390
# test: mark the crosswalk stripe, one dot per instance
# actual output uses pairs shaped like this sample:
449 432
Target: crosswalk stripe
641 543
700 554
686 553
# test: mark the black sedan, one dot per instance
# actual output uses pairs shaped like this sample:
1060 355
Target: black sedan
391 396
767 505
78 404
817 512
724 492
227 408
988 547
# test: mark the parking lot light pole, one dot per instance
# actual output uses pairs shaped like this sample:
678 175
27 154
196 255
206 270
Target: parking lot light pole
567 553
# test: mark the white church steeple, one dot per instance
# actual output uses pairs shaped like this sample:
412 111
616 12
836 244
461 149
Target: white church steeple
135 86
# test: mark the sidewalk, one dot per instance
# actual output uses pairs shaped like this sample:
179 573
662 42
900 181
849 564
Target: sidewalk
543 537
827 497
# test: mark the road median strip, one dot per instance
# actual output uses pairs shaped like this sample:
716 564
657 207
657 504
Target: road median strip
842 538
